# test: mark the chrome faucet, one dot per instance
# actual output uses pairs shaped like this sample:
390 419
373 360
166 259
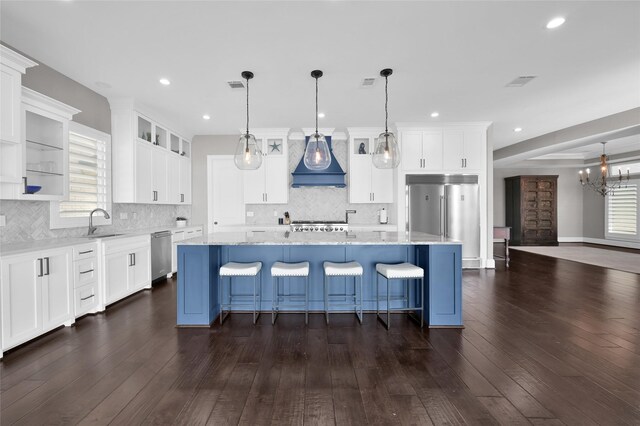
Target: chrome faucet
92 228
346 215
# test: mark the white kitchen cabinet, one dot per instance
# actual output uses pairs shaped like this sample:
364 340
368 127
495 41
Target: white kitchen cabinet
185 181
144 172
464 150
367 183
270 183
178 235
225 193
12 67
37 294
159 177
86 283
151 164
41 159
173 179
127 266
421 150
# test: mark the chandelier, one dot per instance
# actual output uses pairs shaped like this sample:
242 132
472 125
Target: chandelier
605 183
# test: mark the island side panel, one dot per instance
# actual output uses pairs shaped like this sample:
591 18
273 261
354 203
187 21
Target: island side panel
443 271
197 297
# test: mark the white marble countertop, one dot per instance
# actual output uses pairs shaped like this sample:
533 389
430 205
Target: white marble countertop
29 246
318 238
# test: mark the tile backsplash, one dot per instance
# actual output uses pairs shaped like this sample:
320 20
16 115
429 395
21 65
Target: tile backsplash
29 220
316 203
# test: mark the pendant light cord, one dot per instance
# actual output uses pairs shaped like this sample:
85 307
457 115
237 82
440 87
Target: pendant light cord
247 109
386 102
316 107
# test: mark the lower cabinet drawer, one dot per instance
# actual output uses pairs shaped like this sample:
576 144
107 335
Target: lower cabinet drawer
86 299
84 272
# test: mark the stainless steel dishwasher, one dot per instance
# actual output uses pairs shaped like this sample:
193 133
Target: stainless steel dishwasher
160 254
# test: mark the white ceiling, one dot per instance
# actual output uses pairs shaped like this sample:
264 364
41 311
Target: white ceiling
594 150
453 57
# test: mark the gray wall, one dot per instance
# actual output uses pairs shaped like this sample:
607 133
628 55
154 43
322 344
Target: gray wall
593 218
201 146
570 198
95 111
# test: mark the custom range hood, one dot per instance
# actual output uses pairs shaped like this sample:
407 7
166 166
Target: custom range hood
331 176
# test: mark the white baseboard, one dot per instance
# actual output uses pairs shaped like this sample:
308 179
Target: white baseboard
571 239
626 244
490 264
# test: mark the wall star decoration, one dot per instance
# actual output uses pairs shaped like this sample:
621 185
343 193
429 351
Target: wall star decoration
275 147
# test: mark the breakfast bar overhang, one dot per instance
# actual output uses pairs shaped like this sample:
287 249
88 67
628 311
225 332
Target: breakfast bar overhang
199 260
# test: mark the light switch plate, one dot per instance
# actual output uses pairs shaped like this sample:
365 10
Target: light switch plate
124 216
275 213
3 220
249 214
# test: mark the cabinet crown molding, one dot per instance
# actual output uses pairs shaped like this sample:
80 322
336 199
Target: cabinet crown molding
426 126
38 100
15 60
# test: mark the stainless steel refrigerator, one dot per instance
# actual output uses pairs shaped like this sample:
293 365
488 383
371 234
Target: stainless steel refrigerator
446 205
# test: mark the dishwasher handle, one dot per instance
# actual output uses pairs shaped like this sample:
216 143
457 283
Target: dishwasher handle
162 234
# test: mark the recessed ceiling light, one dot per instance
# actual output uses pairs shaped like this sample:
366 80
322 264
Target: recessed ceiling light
555 22
321 115
206 117
435 114
517 129
165 81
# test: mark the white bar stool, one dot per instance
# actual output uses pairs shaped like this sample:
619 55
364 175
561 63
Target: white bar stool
405 272
235 269
284 270
348 269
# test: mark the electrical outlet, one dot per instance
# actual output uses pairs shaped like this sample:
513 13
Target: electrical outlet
249 214
135 215
3 220
124 216
275 213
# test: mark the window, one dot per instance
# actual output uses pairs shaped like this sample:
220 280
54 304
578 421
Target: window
622 212
89 172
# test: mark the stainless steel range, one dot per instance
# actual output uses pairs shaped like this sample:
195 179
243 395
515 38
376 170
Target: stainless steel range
319 226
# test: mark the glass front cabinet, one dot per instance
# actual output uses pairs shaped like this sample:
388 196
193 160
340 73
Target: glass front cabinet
41 161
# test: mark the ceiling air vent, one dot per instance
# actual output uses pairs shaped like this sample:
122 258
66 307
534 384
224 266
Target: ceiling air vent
521 81
236 84
368 82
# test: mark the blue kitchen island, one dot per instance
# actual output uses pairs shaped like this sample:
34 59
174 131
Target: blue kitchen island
199 260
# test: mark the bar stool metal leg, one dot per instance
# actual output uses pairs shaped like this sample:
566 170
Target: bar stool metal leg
306 300
422 302
388 303
377 295
275 297
326 299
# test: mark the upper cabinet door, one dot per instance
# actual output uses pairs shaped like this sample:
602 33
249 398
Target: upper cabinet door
173 179
360 178
10 87
432 150
276 170
475 150
453 157
144 175
160 178
185 180
411 150
381 185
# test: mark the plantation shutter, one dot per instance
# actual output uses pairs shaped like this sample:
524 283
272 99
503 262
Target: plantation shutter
87 176
623 211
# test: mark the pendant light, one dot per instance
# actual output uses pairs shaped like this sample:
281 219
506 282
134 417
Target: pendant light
316 154
248 155
387 153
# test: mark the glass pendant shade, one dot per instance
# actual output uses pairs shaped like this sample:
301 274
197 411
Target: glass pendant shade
387 154
316 154
248 155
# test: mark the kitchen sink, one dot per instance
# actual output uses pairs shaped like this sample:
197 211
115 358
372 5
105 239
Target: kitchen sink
102 236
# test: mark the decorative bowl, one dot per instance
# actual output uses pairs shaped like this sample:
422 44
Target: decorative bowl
32 189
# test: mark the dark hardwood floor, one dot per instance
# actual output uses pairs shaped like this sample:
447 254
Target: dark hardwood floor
547 342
